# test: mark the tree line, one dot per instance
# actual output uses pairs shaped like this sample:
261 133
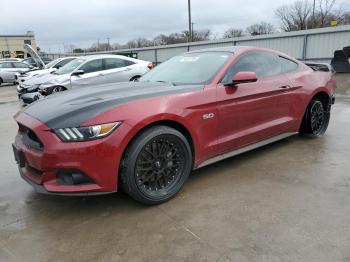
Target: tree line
300 15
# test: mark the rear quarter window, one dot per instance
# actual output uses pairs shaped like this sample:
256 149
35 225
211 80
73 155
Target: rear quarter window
288 65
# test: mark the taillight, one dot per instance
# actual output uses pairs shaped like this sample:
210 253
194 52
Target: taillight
150 66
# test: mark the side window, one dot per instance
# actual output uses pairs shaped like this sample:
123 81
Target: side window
128 63
269 64
111 63
6 65
63 62
20 65
92 66
245 63
287 65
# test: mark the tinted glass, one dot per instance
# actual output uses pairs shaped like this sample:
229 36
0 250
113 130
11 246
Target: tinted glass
264 64
193 68
112 63
69 67
92 66
269 64
20 65
6 65
245 63
288 65
63 62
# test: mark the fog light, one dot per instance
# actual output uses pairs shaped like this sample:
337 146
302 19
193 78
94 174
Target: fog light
72 177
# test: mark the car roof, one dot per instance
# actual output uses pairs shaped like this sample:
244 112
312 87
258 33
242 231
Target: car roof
230 49
91 57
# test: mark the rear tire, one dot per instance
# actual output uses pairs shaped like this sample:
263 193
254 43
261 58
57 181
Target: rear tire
1 81
156 165
316 119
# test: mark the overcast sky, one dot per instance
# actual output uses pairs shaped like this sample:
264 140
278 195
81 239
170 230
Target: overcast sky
82 22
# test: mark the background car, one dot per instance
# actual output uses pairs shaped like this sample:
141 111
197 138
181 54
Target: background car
11 59
87 71
9 69
193 110
50 67
31 61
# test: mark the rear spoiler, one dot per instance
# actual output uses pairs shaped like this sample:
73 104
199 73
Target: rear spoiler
319 66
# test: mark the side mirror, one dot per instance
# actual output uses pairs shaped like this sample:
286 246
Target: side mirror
244 77
58 66
78 73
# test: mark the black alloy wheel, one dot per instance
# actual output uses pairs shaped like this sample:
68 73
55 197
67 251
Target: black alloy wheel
156 165
316 119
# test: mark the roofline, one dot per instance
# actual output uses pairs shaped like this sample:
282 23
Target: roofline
325 30
3 36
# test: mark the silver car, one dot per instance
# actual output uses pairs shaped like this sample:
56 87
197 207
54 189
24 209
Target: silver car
8 70
50 67
86 71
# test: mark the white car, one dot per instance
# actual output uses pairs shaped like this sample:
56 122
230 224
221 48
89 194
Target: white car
50 67
87 71
8 70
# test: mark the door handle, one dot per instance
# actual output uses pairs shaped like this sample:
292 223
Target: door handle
127 69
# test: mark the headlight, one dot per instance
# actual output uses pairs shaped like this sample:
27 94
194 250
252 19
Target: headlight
75 134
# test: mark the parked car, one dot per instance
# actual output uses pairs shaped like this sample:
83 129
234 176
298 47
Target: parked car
31 61
8 70
50 67
86 71
193 110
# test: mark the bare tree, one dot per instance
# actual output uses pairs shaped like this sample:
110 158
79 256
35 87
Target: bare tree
324 11
295 16
233 32
298 16
260 29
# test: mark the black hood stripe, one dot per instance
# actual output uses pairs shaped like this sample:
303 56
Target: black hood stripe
72 108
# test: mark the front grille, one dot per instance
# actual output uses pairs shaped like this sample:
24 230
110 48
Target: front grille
29 138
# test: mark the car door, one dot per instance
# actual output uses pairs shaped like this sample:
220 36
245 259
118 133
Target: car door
250 112
116 70
7 66
92 74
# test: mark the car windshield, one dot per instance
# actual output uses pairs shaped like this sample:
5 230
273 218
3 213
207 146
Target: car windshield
52 63
69 67
193 68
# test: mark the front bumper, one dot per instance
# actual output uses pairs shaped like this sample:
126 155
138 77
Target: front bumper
97 159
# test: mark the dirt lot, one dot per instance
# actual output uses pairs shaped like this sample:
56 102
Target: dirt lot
289 201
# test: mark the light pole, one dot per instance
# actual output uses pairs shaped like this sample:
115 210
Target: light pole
313 15
189 21
192 31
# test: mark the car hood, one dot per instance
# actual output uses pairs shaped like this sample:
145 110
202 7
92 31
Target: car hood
72 108
45 78
40 72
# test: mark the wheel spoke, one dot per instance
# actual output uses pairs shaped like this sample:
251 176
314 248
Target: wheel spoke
159 165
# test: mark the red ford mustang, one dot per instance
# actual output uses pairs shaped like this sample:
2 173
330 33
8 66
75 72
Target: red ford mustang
145 137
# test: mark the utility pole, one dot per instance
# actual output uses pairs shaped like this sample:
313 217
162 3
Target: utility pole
313 15
189 21
107 43
98 45
192 32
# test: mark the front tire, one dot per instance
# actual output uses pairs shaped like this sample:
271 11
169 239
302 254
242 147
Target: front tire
57 89
316 119
156 165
